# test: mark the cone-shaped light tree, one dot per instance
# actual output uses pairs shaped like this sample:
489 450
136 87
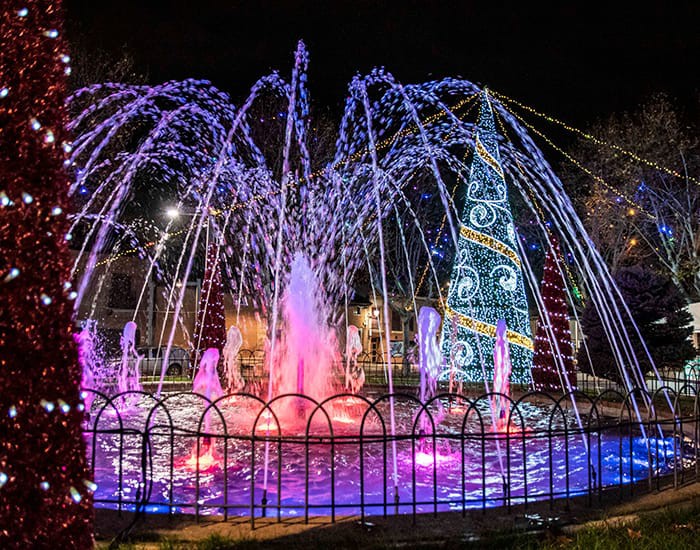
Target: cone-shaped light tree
210 329
487 281
45 483
553 363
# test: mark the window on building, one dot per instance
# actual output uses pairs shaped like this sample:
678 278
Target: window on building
396 325
395 321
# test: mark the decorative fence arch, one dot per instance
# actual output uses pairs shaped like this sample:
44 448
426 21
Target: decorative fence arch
181 453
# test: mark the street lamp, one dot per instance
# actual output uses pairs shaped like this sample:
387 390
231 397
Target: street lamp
172 213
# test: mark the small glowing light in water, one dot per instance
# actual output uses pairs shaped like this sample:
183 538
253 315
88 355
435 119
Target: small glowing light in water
13 411
35 124
27 198
46 300
267 426
424 459
65 407
427 459
4 92
56 210
343 418
44 485
3 478
204 462
267 422
23 12
48 405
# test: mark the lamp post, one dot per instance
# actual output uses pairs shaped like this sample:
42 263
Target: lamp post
174 213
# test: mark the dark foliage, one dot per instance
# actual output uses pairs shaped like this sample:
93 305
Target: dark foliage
658 309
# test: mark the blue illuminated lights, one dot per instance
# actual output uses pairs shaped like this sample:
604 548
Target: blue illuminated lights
487 281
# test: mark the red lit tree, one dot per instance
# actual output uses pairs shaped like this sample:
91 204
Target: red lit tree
553 361
45 486
210 329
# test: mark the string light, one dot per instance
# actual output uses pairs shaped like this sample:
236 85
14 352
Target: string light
535 203
572 129
14 272
571 159
294 183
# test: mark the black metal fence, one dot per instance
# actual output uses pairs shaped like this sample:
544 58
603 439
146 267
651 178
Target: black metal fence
154 454
405 373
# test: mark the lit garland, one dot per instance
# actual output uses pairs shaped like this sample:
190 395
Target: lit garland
489 242
576 163
45 490
486 283
533 200
596 140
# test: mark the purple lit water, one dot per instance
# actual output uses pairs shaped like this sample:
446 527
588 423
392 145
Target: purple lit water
557 463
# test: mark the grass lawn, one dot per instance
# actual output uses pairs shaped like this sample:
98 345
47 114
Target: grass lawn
666 530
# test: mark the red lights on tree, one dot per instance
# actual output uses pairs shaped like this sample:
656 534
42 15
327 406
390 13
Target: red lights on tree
553 362
45 486
210 329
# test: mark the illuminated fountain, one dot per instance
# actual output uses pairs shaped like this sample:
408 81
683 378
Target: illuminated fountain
90 361
232 370
206 383
354 373
129 374
297 232
308 348
501 378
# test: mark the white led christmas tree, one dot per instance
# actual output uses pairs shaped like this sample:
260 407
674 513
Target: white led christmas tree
487 281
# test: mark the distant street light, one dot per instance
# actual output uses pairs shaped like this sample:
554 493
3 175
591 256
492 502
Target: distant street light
172 213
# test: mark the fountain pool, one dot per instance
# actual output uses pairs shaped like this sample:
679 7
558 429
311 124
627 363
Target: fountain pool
338 460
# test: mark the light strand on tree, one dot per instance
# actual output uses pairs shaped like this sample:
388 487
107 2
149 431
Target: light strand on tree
486 282
45 493
553 362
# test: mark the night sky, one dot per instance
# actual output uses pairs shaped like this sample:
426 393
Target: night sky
573 61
